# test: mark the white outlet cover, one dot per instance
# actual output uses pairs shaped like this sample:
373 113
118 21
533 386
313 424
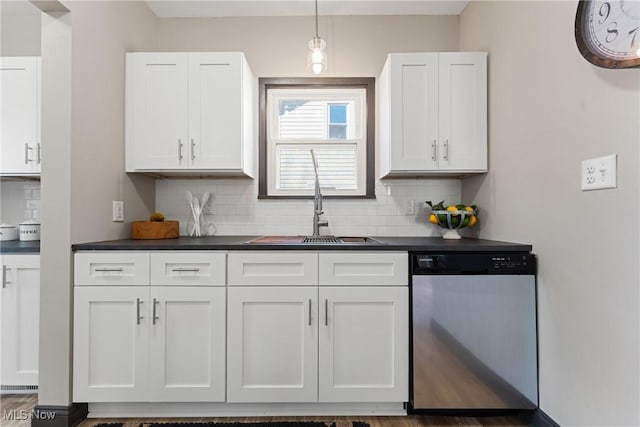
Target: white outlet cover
599 173
118 211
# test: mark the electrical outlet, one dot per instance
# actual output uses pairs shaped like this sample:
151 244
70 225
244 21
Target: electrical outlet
410 207
118 211
599 173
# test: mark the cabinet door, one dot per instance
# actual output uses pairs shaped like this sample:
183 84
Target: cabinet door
463 111
111 343
272 344
157 110
215 111
363 341
414 111
19 143
187 344
20 316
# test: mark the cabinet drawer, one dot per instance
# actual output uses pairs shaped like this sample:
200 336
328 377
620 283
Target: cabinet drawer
364 268
112 268
273 268
188 268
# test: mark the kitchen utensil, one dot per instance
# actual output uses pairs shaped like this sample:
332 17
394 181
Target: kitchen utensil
8 232
29 230
196 215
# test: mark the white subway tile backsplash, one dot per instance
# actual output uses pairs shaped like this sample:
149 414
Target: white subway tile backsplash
236 209
19 201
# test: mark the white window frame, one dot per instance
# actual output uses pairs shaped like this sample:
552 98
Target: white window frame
357 135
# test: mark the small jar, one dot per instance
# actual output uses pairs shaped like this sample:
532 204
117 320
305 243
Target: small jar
8 232
29 230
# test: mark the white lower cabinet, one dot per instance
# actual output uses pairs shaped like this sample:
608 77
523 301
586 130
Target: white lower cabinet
149 327
187 344
319 342
281 331
273 344
363 344
20 302
111 343
140 344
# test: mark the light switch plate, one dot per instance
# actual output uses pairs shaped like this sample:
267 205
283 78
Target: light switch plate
599 173
118 211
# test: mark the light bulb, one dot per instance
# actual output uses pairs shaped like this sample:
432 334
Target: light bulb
317 57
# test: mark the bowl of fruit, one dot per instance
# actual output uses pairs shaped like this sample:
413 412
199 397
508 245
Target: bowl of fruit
452 218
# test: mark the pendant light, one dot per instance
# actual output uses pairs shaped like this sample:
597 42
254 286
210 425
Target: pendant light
317 57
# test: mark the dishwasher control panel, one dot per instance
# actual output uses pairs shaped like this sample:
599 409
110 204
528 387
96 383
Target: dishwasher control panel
490 263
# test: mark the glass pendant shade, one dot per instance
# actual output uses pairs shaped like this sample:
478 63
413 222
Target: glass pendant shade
317 57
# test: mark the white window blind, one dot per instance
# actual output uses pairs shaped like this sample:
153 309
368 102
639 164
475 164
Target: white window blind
329 121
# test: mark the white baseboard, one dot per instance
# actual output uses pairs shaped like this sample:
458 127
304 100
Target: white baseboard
199 409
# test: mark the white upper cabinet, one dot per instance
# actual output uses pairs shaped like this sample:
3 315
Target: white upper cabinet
433 114
190 113
20 119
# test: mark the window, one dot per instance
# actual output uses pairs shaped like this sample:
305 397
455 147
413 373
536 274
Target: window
330 116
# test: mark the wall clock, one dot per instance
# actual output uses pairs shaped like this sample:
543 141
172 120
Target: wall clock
608 32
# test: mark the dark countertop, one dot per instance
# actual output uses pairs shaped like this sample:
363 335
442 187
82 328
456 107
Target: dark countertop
18 247
234 243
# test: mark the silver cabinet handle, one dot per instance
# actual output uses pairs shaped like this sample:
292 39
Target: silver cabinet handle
179 149
193 149
326 312
5 282
446 149
138 317
39 153
183 269
112 270
309 311
26 154
434 146
155 317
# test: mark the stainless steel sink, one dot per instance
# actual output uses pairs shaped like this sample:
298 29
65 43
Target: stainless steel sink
314 240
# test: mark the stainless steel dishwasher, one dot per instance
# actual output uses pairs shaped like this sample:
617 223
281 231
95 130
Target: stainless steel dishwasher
474 340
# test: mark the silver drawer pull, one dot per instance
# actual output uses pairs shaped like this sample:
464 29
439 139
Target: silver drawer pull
39 153
326 312
446 149
5 282
179 150
193 149
155 317
434 155
109 270
181 270
309 311
138 317
26 154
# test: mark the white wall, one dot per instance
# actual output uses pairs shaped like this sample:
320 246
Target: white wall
277 47
102 32
549 109
83 159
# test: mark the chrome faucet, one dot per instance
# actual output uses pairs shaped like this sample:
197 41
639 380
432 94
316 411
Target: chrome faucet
317 201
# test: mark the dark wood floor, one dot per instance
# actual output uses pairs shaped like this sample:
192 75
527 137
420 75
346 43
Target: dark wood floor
27 402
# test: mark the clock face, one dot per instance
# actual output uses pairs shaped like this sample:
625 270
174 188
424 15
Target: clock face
608 32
